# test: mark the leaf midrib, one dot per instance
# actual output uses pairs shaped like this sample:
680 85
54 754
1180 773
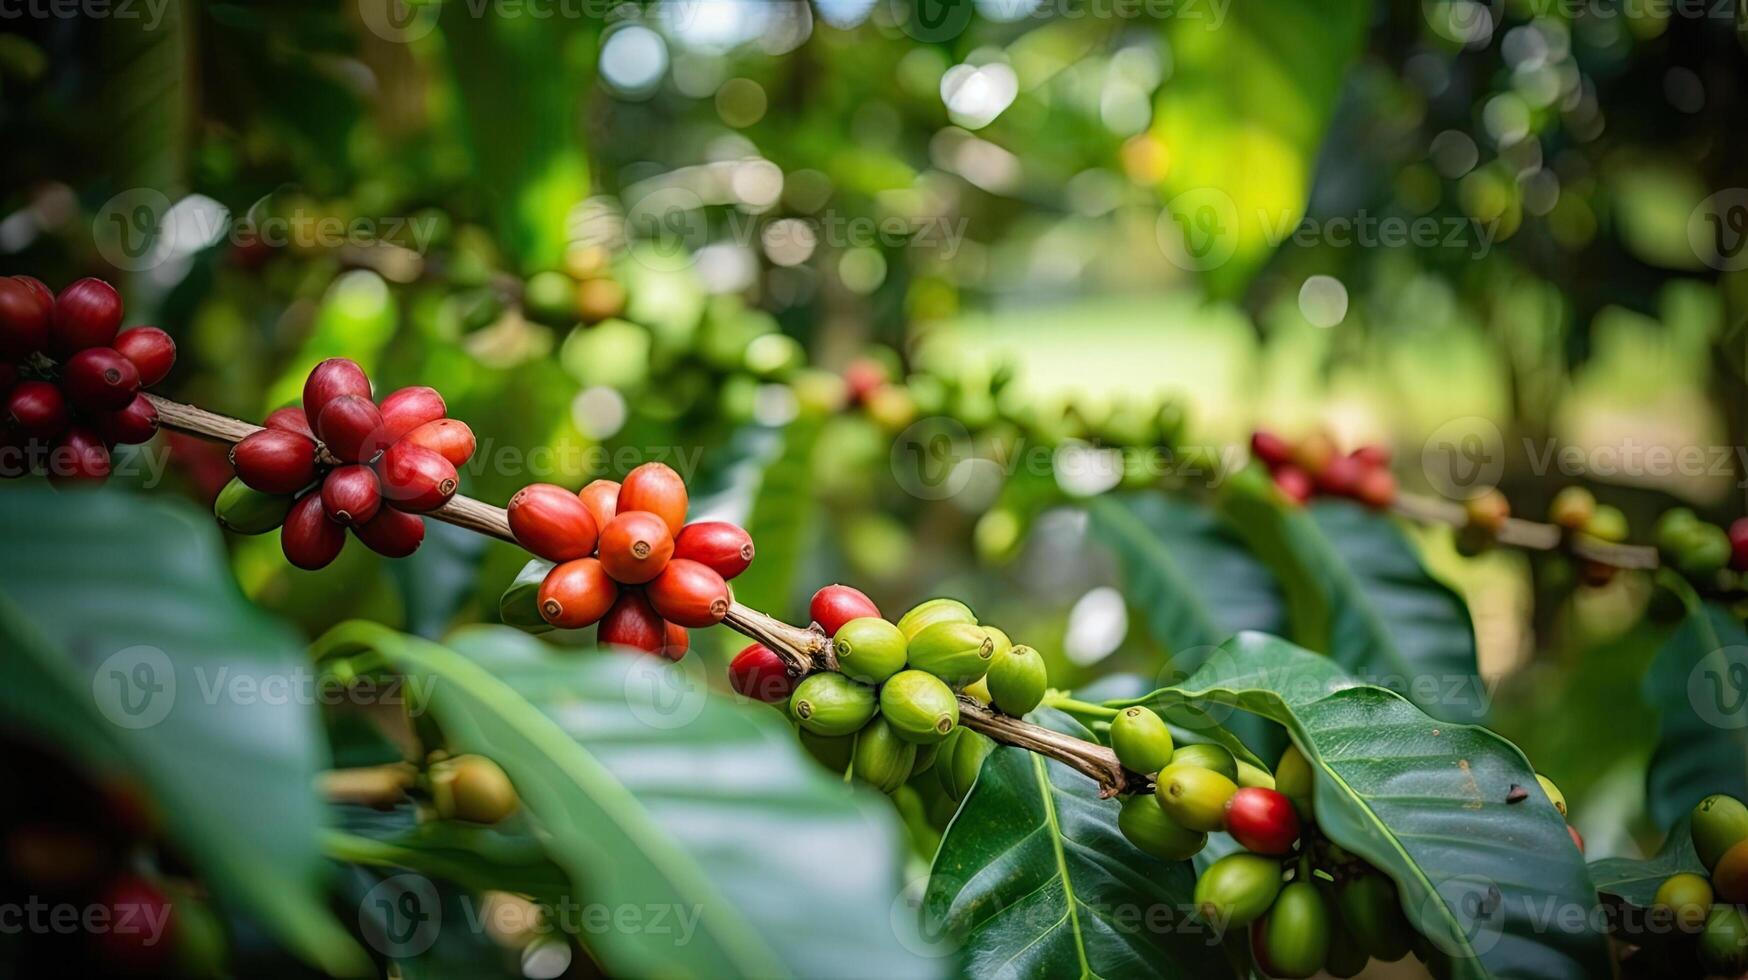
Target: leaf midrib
1045 791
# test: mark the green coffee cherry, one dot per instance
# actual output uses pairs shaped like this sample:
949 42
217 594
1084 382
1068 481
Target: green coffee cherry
1295 933
934 611
1718 823
869 649
1554 795
960 761
831 751
1371 912
1609 523
925 758
1152 832
1346 957
1017 679
832 704
1194 797
1723 946
519 606
1295 780
1208 756
1674 528
471 788
881 758
1705 552
920 706
1254 776
1237 889
1001 641
243 510
1688 897
1141 740
1572 508
957 653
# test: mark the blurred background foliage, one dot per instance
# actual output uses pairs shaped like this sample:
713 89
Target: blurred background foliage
623 231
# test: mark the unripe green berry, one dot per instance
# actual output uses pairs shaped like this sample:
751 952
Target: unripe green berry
961 760
1723 946
1687 897
1705 552
1194 797
933 611
1017 680
1572 508
1295 780
925 757
1295 932
1237 889
881 758
1609 523
1208 756
1373 914
1002 643
831 751
831 704
1141 740
957 653
920 706
243 510
1554 795
1718 823
869 649
1673 529
1152 832
471 788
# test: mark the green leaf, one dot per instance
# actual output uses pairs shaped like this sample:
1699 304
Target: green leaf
1699 683
762 483
438 579
651 793
131 645
1357 590
1495 886
1034 879
1635 881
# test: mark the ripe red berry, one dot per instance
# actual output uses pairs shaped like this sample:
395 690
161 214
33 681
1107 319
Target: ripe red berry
309 539
862 377
129 426
1577 839
656 488
141 937
631 622
1262 820
602 499
576 594
1739 544
415 478
87 314
351 428
1294 483
1372 455
290 419
99 379
448 438
1269 449
551 522
78 457
1377 489
635 547
408 408
151 350
275 461
329 380
392 533
835 605
675 641
351 495
758 673
42 291
1341 478
726 548
24 319
37 410
689 593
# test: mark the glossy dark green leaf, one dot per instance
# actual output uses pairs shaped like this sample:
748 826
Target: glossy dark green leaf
133 646
1496 886
1699 684
1635 881
1034 879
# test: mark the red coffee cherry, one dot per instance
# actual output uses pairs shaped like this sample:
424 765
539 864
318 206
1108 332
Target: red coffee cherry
141 937
129 426
602 499
724 547
1372 455
576 594
290 419
309 539
835 605
758 673
392 533
24 319
87 314
1294 483
351 494
1739 544
80 456
1488 511
37 410
99 379
448 438
1377 489
676 641
689 593
415 478
862 377
151 350
551 522
631 622
351 428
1262 820
1577 839
275 461
408 408
42 291
1270 449
1341 478
656 488
329 380
635 547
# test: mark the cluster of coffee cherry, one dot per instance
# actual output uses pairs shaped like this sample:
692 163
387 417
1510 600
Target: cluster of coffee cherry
1315 465
626 558
71 378
339 460
1709 906
890 711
